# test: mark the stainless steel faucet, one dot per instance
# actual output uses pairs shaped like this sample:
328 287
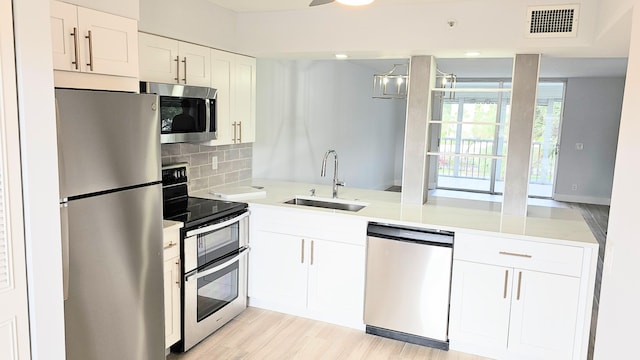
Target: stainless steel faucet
323 172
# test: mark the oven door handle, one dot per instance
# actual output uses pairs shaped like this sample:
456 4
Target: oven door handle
215 227
198 275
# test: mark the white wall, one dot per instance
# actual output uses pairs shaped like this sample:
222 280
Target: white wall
414 29
196 21
591 117
38 145
305 108
619 314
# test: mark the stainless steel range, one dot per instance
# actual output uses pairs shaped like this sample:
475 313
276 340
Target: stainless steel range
213 252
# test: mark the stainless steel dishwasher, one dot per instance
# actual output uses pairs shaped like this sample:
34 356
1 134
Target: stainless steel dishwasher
408 284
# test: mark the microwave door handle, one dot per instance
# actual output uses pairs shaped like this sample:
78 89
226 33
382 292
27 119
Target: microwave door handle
196 276
215 227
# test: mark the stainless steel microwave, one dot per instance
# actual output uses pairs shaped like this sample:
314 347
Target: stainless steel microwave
187 114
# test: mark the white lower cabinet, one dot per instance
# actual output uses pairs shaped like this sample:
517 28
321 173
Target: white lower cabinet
171 240
514 309
314 275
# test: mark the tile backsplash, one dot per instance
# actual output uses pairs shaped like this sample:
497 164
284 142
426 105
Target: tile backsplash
233 163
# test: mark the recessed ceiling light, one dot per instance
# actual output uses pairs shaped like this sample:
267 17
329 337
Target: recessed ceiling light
355 2
472 53
341 56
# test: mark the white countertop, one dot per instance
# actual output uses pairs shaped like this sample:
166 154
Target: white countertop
170 224
548 224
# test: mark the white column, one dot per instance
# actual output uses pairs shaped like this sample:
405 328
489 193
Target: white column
415 173
619 313
523 106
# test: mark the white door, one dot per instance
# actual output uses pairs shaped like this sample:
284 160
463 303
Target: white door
65 36
14 320
158 59
222 76
543 315
195 62
278 270
480 303
245 94
171 300
109 43
336 281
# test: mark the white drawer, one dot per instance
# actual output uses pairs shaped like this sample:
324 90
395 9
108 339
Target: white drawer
171 243
328 226
522 254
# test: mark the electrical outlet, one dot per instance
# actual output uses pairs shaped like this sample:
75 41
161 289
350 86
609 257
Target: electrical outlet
579 146
214 163
574 187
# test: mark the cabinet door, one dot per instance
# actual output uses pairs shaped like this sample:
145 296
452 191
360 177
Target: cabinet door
336 282
158 59
245 93
110 43
222 77
480 303
278 270
195 62
171 300
64 23
543 315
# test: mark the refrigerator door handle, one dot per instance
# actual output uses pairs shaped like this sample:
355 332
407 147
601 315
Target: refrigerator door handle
64 226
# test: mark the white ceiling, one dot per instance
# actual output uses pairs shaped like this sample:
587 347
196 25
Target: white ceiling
280 5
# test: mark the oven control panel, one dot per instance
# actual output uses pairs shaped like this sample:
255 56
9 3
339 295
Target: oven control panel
174 174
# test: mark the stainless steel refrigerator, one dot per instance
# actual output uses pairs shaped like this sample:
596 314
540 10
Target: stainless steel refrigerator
111 214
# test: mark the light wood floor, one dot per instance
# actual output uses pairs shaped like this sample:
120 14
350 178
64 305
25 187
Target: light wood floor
262 334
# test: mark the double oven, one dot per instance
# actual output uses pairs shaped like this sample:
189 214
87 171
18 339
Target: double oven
213 251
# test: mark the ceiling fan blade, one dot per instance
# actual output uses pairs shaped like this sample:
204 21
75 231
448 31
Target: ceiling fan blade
320 2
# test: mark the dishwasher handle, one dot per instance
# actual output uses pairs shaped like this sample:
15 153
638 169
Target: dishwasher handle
414 235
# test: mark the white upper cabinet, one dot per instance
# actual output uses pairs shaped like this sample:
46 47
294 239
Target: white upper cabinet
90 41
234 76
171 61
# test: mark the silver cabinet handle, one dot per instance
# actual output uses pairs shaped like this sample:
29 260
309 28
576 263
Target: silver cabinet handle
519 284
177 78
196 276
506 280
235 132
170 245
64 226
185 69
311 262
240 131
178 273
302 251
75 47
515 254
90 64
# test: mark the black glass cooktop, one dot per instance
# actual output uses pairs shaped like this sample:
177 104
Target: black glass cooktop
194 211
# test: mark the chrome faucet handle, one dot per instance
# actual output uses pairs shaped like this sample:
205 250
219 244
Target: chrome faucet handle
340 183
313 192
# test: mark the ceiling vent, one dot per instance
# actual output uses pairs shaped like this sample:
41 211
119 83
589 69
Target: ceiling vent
552 21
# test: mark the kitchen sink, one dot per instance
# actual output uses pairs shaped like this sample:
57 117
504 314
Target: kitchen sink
326 203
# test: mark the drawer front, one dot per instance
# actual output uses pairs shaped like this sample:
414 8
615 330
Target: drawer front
522 254
171 243
335 227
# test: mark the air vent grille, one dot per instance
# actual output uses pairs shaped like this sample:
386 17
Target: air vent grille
552 21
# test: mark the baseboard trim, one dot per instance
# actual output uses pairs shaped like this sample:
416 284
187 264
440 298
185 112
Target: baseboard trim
582 199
